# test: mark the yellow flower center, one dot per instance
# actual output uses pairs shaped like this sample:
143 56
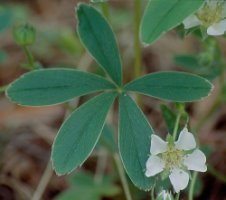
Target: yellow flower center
209 15
173 157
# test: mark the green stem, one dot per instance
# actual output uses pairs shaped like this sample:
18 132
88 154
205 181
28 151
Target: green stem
122 176
192 186
101 165
153 193
217 174
30 58
137 47
177 196
105 10
176 126
43 183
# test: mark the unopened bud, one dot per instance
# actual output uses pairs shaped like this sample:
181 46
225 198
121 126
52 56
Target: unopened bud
164 195
24 34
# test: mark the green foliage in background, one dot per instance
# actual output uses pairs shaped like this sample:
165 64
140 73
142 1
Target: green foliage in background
84 187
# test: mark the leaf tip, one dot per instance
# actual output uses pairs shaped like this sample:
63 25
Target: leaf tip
211 89
144 44
58 170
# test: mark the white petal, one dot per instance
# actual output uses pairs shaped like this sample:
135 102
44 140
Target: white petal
196 161
186 140
157 145
179 179
217 28
154 165
191 21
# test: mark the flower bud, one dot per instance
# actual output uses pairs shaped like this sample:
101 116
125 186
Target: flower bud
24 34
164 195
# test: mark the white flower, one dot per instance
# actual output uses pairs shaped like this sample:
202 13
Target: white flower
211 15
176 158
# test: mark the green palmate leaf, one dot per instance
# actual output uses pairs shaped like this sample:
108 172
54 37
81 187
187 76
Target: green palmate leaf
52 86
172 86
162 15
99 40
134 141
80 133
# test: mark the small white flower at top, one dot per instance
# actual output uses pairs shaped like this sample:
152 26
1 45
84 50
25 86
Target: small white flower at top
211 15
175 159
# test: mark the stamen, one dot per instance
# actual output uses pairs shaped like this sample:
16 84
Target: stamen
173 157
210 15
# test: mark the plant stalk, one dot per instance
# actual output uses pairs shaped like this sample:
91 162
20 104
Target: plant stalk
137 46
177 196
176 126
122 176
153 193
43 182
192 186
101 165
30 58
